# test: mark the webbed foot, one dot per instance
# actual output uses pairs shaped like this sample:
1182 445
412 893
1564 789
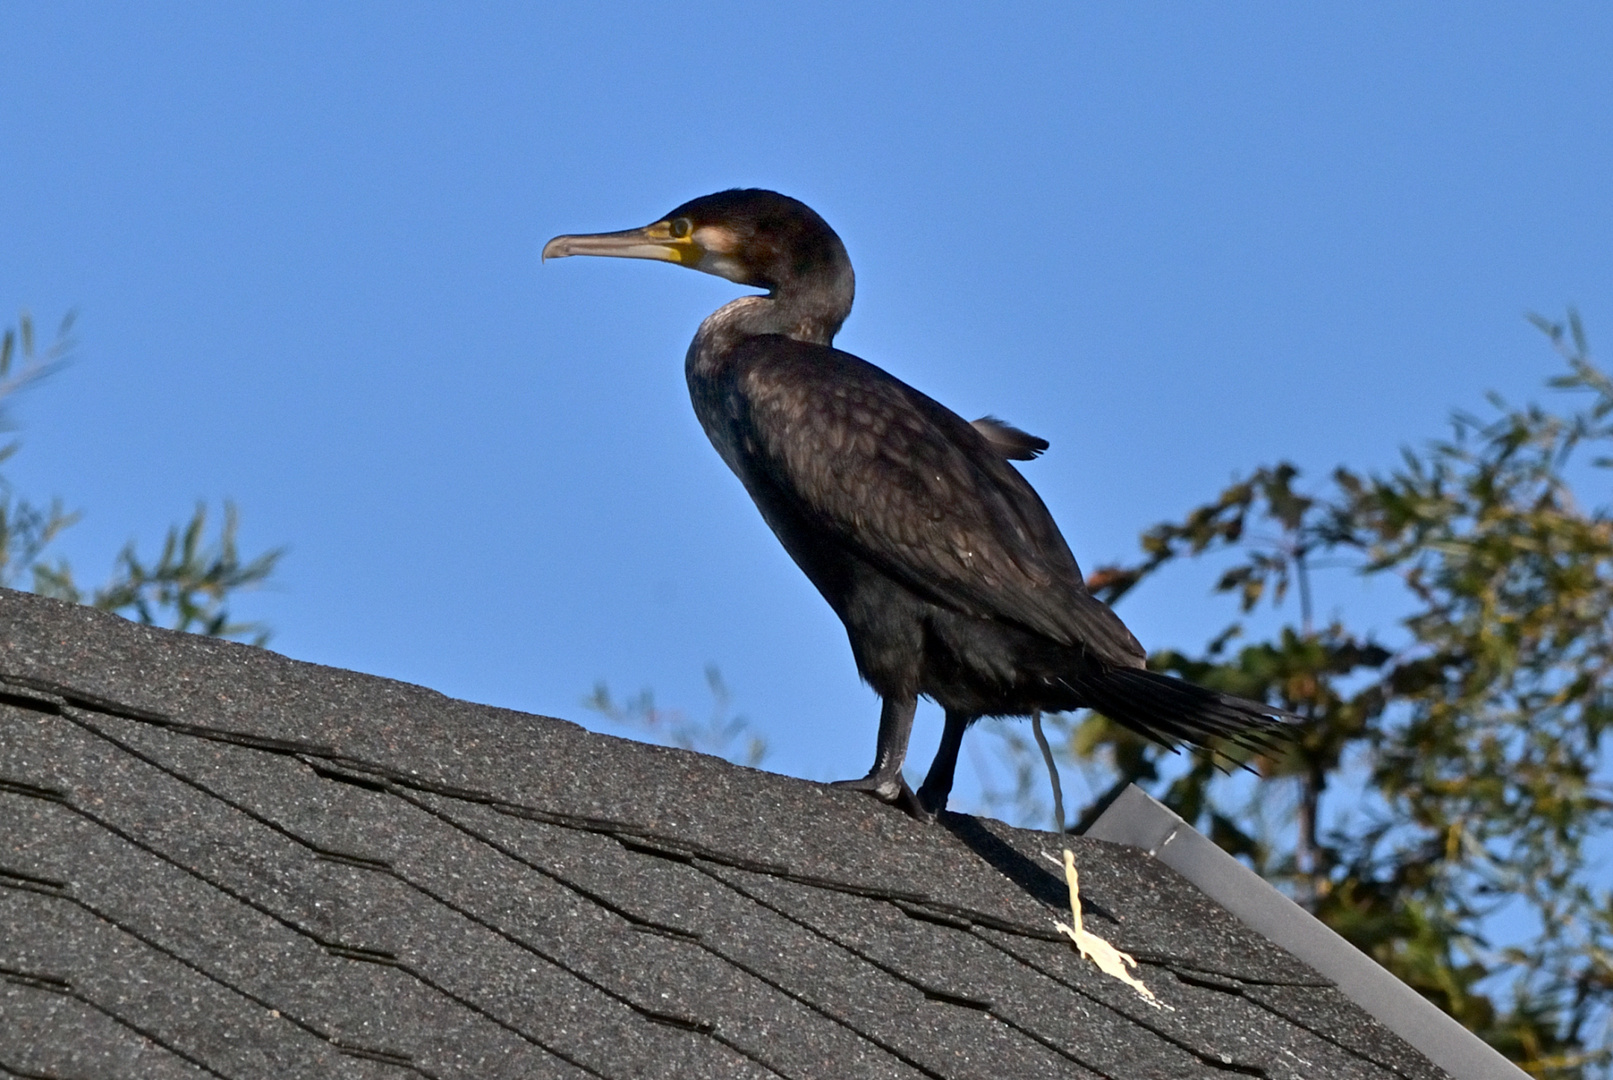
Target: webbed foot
891 790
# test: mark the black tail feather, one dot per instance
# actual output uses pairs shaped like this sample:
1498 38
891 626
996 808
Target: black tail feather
1172 711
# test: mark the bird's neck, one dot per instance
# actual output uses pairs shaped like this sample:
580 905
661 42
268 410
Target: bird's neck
810 311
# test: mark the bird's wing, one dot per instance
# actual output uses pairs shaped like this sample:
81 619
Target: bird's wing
914 489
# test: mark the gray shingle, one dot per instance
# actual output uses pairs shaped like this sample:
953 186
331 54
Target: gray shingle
1144 907
654 974
1327 1012
352 1003
50 1032
951 963
53 938
220 861
358 913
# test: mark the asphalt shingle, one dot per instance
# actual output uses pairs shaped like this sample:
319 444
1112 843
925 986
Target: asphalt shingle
217 861
52 1032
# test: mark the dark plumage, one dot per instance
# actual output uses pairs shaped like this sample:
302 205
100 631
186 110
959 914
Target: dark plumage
1008 440
945 566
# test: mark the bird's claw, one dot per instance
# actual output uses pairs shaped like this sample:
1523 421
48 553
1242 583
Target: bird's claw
886 788
929 804
891 790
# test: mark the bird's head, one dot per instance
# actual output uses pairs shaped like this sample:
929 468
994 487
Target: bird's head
755 237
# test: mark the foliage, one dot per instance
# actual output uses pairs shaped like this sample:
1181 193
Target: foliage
190 585
1449 806
725 734
26 529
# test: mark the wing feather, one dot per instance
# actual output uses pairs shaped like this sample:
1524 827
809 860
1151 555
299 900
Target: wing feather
914 489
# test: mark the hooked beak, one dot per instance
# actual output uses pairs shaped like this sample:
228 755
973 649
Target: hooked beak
651 242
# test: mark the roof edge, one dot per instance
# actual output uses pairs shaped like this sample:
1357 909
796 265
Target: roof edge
1139 820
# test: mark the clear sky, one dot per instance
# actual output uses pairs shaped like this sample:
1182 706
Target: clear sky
1177 240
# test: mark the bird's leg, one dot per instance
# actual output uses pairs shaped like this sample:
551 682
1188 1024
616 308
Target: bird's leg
932 796
884 781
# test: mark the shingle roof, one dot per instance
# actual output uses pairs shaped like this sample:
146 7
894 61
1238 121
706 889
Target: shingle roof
220 862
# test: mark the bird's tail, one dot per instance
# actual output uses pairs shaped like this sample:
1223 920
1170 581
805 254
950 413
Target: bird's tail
1172 711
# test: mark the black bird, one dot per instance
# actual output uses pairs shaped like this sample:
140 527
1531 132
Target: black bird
945 566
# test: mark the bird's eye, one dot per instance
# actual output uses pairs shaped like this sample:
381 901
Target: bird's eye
680 227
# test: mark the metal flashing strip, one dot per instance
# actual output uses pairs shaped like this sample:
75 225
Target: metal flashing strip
1138 820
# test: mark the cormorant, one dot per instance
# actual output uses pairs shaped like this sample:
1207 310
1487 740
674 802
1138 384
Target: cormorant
945 566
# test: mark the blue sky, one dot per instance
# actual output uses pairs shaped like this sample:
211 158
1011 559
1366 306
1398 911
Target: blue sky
1178 241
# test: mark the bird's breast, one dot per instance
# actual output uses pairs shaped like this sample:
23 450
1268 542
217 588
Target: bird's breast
719 407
